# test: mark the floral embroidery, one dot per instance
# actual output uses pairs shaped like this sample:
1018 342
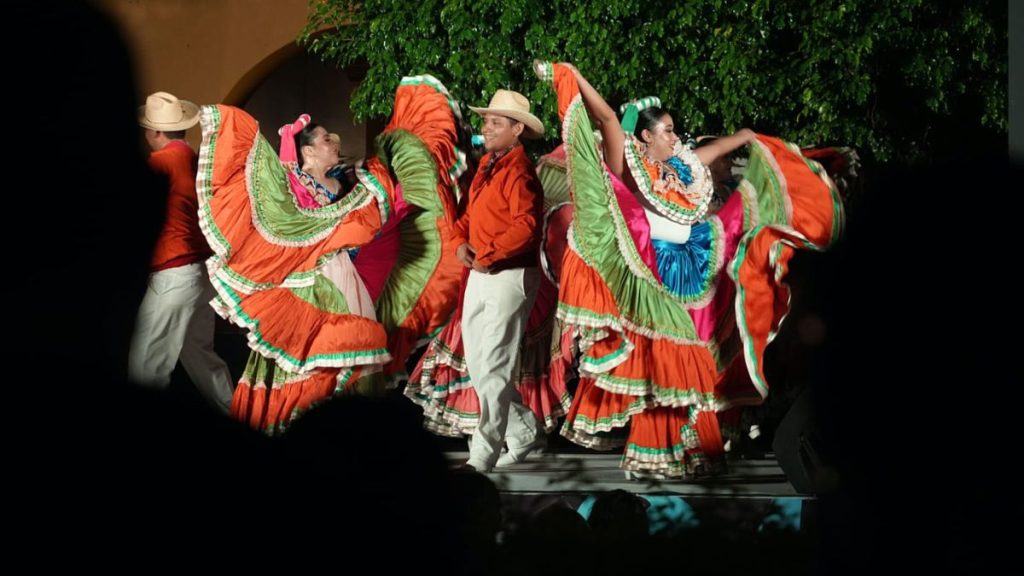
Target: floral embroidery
673 175
322 194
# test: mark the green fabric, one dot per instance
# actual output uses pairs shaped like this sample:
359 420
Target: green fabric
258 369
629 118
274 202
369 385
324 295
414 167
555 184
417 260
420 253
771 199
640 298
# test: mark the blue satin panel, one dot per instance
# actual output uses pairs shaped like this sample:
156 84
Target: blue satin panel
684 267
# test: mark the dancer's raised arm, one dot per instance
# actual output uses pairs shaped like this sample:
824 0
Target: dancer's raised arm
612 136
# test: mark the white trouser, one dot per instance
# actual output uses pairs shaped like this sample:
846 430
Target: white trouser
494 314
175 322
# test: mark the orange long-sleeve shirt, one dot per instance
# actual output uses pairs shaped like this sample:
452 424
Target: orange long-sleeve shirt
181 241
502 222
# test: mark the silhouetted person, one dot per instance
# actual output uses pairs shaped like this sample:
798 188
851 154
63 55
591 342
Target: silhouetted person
363 472
619 517
110 471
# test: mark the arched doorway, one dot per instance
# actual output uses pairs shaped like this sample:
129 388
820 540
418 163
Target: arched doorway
290 82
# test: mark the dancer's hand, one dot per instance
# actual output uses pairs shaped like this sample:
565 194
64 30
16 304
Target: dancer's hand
747 135
465 254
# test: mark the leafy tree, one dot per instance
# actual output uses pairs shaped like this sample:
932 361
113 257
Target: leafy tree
894 78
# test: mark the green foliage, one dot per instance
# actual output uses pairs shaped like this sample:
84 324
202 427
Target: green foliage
879 75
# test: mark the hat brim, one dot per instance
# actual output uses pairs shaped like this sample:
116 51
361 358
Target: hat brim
190 119
534 127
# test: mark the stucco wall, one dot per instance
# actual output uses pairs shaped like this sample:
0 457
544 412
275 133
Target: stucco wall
239 52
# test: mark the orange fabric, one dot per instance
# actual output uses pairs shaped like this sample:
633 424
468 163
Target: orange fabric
813 209
658 428
502 223
180 242
666 364
241 401
765 301
667 371
566 88
301 330
584 288
654 172
268 408
252 256
417 111
676 198
597 404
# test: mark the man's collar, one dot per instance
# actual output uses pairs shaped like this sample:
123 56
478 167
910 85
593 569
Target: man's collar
495 156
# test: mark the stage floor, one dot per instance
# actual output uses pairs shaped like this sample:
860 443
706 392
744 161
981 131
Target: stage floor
587 473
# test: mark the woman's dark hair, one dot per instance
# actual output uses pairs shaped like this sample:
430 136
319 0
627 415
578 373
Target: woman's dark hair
648 120
464 130
304 137
704 142
465 142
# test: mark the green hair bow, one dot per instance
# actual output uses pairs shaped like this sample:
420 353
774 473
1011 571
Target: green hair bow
631 111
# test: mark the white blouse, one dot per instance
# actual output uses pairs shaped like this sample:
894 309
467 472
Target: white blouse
664 229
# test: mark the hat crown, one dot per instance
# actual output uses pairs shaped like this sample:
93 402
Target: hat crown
164 108
509 100
514 105
165 112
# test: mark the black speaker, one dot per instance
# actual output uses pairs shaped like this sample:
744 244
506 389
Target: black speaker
799 450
